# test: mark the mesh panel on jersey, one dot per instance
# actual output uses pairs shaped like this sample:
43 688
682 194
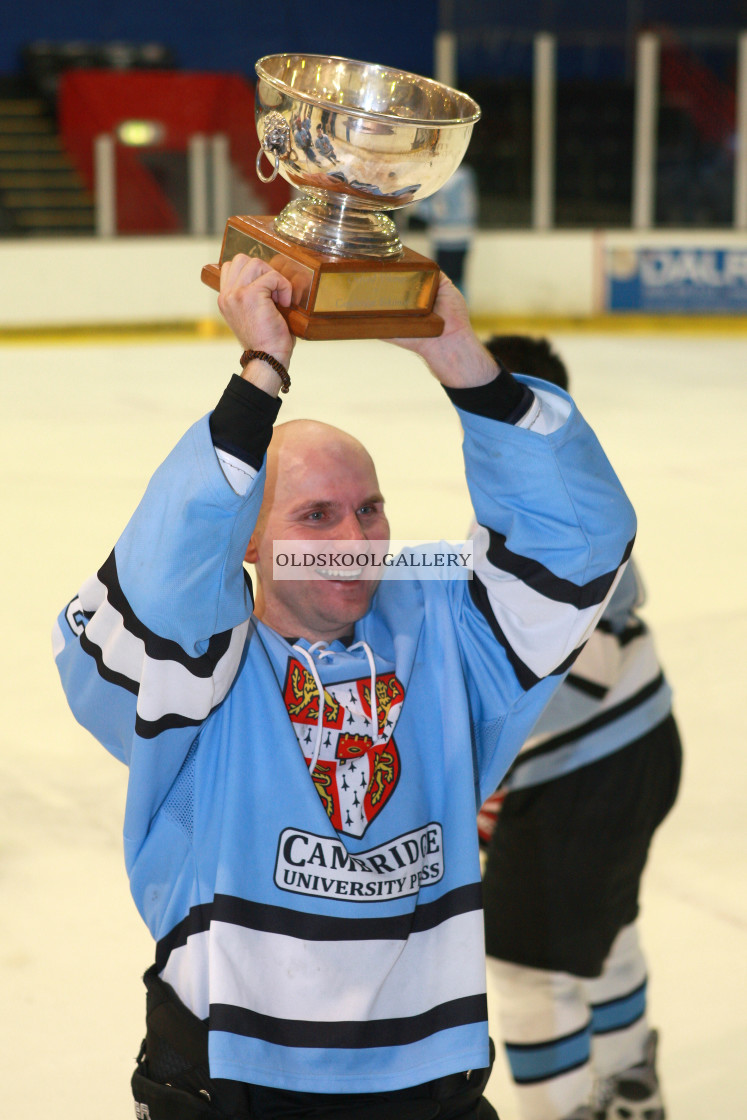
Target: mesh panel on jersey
486 737
180 803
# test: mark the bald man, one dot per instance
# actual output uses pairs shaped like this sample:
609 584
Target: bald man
315 471
305 767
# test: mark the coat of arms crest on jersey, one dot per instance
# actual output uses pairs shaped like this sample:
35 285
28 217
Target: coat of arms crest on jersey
357 769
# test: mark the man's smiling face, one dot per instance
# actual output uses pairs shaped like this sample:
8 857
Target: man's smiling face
321 486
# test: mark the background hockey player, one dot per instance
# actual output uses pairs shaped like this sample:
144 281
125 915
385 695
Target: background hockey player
571 828
304 771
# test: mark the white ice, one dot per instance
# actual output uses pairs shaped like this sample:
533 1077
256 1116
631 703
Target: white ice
82 427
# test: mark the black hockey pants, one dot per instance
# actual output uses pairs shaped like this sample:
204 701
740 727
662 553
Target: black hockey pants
172 1081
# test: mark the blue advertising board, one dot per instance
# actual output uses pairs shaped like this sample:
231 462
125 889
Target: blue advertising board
675 279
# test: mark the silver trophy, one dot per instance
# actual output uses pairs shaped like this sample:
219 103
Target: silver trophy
357 141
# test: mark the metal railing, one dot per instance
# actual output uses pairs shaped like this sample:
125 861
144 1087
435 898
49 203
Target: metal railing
209 185
646 114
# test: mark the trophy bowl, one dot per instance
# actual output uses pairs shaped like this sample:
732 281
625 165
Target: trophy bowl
356 140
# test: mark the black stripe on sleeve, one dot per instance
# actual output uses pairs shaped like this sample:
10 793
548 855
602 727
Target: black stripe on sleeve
525 676
157 648
542 580
242 421
152 728
479 595
146 729
104 671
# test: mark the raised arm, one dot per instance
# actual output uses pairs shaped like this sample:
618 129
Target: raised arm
151 643
554 531
250 293
456 357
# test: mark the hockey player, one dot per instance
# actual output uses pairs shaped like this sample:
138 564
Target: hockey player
567 837
450 217
304 770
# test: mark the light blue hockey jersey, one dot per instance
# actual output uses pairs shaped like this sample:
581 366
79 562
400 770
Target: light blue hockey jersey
329 926
615 693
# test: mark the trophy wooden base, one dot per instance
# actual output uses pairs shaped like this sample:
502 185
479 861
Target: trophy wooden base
339 297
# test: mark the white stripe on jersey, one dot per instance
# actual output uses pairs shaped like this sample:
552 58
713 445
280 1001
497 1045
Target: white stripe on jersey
298 977
166 686
530 621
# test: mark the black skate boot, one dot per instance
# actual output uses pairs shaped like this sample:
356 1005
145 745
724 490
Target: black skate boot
633 1094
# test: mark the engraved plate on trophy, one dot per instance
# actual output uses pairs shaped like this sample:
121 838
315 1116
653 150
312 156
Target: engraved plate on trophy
357 141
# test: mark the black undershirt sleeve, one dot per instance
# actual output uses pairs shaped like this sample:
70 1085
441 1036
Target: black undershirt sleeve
504 398
242 421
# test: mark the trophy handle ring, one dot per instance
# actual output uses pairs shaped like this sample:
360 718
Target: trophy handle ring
275 140
267 178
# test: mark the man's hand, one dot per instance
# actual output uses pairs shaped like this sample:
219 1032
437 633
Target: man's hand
456 357
250 294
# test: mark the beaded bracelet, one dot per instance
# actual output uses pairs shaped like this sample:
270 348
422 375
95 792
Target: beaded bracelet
280 370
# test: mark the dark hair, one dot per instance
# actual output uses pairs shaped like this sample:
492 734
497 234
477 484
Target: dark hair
533 356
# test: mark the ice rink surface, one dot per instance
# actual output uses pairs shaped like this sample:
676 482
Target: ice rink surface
83 426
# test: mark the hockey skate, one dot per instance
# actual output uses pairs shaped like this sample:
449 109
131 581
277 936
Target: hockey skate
633 1094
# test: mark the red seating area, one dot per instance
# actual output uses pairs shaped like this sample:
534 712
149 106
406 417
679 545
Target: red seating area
93 102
